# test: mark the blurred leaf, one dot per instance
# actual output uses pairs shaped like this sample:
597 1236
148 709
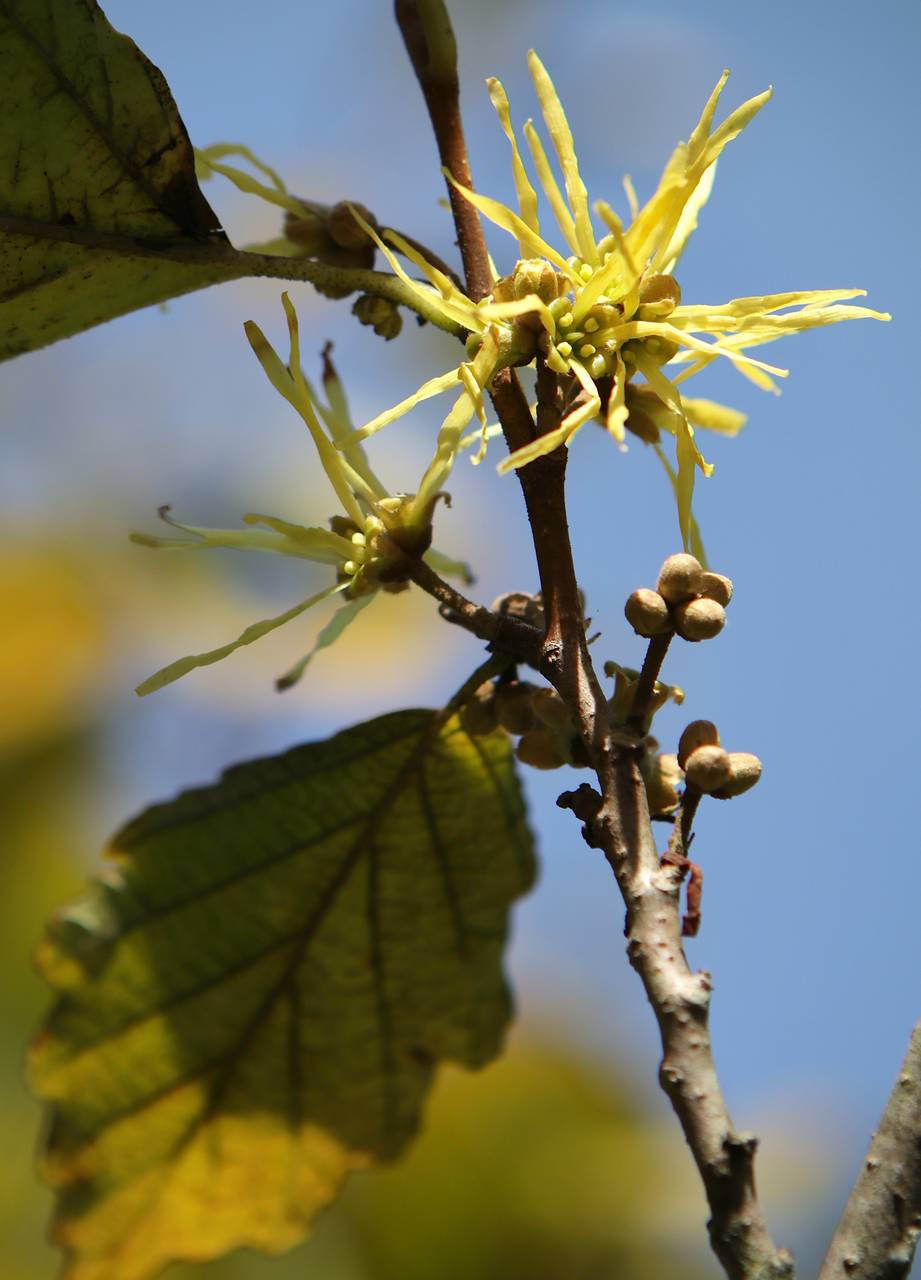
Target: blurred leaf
546 1167
101 212
52 647
253 1001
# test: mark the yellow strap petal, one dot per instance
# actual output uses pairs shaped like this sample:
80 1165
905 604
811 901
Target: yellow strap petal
255 631
731 127
480 369
701 131
549 184
503 217
670 395
218 150
344 480
724 315
462 316
433 387
617 413
696 542
713 416
630 191
444 284
246 182
328 636
661 329
561 136
687 222
561 434
529 305
620 268
527 196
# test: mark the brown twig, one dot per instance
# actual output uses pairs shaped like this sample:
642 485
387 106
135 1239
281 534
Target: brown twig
430 44
504 633
879 1229
649 674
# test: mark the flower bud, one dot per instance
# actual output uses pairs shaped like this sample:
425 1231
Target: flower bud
518 604
699 733
716 586
308 232
679 578
541 749
478 714
344 229
647 613
535 275
514 706
382 315
708 769
699 619
744 772
659 295
551 710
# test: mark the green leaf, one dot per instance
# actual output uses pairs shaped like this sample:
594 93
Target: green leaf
100 210
252 1002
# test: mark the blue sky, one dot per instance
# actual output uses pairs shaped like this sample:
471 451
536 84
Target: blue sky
813 882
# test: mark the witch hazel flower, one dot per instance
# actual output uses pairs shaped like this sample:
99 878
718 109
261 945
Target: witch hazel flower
606 312
369 545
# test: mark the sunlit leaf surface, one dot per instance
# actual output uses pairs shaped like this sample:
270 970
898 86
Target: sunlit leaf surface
100 212
253 1000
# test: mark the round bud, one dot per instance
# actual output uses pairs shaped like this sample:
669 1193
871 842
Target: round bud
659 295
708 769
679 578
744 772
307 232
514 706
344 229
541 749
699 733
700 619
478 714
380 314
514 604
647 613
551 710
716 586
537 276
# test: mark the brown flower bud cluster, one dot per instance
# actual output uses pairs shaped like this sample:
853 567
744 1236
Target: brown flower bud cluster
709 768
380 314
688 599
331 234
536 716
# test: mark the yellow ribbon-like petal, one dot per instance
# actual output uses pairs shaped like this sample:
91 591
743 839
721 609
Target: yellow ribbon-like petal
255 631
561 136
527 196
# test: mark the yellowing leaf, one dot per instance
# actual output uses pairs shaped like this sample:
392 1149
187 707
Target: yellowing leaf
253 1000
101 212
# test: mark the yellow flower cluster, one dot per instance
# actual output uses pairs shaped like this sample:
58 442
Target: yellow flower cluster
608 311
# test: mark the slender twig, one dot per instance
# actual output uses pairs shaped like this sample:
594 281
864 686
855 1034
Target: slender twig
504 633
429 42
645 687
686 815
879 1229
226 263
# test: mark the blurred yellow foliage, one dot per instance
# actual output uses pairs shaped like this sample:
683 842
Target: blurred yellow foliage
50 645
